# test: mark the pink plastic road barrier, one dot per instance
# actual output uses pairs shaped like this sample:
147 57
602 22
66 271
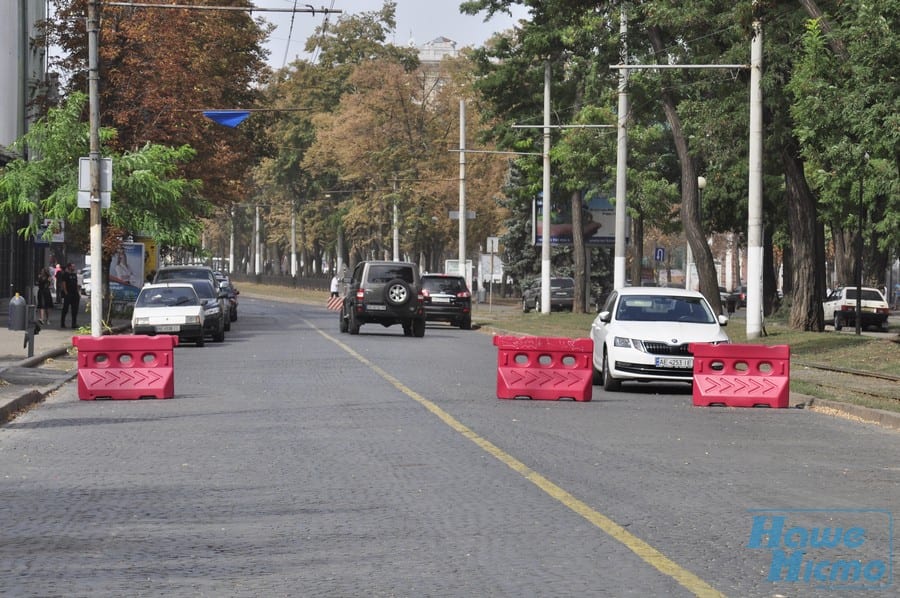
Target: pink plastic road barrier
741 375
544 368
128 366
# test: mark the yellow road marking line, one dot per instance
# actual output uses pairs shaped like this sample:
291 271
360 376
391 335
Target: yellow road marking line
642 549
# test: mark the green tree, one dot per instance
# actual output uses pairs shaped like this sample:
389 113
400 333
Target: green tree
148 196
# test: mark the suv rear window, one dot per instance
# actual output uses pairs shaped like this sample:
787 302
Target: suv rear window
386 273
441 284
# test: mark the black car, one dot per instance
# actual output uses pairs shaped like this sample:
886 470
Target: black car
562 294
447 299
385 293
214 309
189 272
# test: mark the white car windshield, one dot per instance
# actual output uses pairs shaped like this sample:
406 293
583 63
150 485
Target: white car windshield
655 308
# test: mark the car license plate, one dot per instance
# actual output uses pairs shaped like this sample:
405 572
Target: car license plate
440 299
674 362
376 307
168 328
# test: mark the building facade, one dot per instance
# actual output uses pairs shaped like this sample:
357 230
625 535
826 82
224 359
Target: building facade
23 70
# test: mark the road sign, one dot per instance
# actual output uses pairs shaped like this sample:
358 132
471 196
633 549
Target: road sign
84 182
660 254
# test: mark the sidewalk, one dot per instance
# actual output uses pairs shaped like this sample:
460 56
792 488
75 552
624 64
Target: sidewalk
23 380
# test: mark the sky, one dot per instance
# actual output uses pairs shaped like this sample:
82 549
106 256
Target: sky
419 20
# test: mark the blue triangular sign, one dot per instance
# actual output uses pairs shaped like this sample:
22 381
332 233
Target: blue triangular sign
229 118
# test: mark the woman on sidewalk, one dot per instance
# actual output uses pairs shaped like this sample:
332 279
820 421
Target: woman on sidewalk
44 297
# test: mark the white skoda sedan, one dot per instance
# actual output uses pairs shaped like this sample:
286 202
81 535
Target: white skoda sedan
642 334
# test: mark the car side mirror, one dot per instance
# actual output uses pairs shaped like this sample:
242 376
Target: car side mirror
723 320
605 316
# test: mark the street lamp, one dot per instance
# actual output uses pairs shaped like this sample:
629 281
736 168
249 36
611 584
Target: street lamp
859 248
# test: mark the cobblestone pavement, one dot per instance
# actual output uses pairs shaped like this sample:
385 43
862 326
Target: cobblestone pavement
296 461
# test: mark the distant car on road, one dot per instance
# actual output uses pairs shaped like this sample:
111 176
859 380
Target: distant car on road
169 308
562 294
447 299
385 293
840 308
643 334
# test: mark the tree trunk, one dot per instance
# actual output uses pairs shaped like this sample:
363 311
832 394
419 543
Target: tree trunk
843 256
578 252
807 245
690 212
637 250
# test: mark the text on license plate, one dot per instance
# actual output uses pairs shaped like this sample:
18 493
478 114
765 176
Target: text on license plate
440 299
674 362
376 307
168 328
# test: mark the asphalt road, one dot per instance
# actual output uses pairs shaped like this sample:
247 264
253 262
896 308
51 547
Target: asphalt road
298 461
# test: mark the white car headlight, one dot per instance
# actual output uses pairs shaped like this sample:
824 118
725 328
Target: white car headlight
192 319
211 311
144 321
621 341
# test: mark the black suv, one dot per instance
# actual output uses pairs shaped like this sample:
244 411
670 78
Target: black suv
447 299
384 293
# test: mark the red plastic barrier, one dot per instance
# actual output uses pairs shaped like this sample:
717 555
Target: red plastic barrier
544 368
741 375
128 366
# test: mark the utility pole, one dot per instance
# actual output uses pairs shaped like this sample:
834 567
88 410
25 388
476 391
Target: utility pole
545 234
754 199
462 192
96 232
621 161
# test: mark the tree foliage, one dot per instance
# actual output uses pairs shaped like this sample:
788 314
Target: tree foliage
159 68
149 196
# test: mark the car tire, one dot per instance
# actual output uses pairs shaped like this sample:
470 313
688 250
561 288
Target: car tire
418 328
466 323
219 336
228 324
397 292
234 315
353 324
609 383
343 321
596 375
201 342
525 308
838 322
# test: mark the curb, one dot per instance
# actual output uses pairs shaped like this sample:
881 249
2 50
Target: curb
28 397
879 417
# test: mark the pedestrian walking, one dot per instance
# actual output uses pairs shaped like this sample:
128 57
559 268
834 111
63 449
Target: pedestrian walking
71 295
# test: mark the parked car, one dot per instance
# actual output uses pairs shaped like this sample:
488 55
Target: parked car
447 299
214 309
84 280
642 334
840 308
562 294
385 293
189 273
169 308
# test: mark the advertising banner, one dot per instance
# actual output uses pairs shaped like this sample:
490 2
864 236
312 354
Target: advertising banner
598 221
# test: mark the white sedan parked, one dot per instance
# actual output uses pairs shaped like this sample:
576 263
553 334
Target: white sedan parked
643 333
169 308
